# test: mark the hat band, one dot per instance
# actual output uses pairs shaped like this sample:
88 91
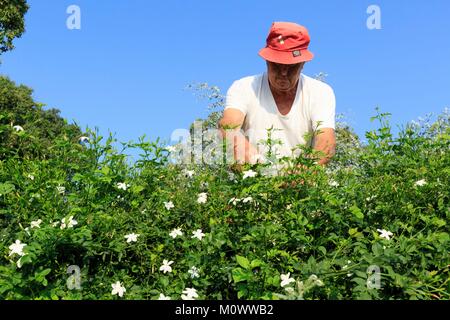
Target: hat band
289 50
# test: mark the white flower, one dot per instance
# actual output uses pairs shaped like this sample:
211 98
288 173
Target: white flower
202 197
385 234
189 173
84 139
234 201
163 297
204 184
420 183
346 266
19 263
36 224
289 207
132 237
316 280
30 176
289 290
166 266
189 294
18 128
169 205
171 148
17 248
370 198
122 185
118 289
333 183
249 174
176 232
54 224
69 223
286 279
194 272
198 234
245 200
61 189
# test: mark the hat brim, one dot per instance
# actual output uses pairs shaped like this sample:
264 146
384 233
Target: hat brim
285 57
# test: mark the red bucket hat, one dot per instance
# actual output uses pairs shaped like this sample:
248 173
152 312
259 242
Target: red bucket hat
287 43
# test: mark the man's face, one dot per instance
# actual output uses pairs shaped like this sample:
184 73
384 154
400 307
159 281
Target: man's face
284 77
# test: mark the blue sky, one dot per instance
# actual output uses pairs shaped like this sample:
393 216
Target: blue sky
127 68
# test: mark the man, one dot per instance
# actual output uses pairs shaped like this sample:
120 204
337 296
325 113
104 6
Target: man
282 98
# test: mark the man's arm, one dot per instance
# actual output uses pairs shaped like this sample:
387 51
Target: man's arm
230 128
325 142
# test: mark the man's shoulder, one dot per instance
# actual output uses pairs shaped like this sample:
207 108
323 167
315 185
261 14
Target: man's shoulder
316 85
248 82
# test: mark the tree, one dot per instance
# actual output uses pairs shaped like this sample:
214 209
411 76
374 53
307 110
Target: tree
12 23
41 127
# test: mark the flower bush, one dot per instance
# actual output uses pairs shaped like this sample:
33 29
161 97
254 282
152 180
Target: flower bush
373 224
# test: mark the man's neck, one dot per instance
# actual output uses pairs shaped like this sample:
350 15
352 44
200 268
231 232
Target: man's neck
284 95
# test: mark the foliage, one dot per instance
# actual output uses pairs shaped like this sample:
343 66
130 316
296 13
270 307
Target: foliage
383 205
12 24
41 127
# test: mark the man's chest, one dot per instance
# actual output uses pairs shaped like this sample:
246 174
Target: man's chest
284 106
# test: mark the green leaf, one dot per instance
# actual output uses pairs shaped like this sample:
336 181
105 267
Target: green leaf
322 249
78 177
377 249
243 262
353 232
105 170
442 237
256 263
357 212
6 188
137 189
242 293
45 272
438 222
164 281
240 275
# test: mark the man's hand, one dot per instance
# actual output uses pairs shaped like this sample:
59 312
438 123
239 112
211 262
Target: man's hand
297 170
230 128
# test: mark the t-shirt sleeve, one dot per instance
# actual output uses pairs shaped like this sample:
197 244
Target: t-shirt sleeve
324 109
236 97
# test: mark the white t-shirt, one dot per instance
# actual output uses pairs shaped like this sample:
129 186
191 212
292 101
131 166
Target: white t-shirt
314 101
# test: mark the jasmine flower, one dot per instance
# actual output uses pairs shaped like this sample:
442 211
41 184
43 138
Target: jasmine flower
118 289
175 232
198 234
132 237
286 279
166 266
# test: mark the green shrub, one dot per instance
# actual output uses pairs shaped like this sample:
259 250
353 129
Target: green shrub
381 207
